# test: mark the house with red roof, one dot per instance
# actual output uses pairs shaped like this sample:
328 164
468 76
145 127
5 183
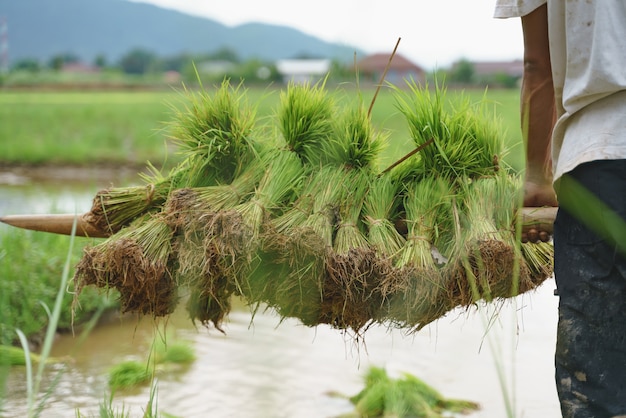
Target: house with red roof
372 67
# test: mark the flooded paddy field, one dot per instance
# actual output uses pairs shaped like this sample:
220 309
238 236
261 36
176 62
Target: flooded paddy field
262 367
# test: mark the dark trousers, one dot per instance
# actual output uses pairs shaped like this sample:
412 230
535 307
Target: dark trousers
590 272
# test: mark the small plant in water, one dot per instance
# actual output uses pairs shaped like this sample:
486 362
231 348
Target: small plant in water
128 374
405 397
177 352
131 373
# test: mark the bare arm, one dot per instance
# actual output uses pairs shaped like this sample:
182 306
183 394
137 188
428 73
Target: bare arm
537 110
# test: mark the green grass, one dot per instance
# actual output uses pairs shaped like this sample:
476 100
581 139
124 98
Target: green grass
130 127
82 128
30 265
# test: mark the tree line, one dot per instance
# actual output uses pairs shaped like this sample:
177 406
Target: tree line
140 62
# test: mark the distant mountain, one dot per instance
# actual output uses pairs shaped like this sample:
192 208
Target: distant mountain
41 29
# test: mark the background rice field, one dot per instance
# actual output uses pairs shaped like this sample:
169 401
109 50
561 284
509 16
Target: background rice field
129 128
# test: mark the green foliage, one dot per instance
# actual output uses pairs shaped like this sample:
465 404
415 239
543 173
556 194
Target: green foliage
214 131
128 374
15 356
174 352
462 72
30 266
356 144
305 118
466 136
405 397
165 352
138 61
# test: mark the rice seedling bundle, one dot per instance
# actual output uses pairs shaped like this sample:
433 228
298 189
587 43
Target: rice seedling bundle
407 396
536 257
188 207
215 133
351 289
466 141
379 209
423 295
212 236
355 144
304 222
226 233
116 207
491 265
288 267
192 212
137 262
305 118
277 189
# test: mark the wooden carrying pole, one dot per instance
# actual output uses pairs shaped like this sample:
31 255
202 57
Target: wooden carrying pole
56 224
539 219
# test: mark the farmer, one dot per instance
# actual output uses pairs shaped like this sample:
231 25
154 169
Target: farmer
574 120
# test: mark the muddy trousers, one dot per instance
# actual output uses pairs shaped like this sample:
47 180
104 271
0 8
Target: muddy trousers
590 273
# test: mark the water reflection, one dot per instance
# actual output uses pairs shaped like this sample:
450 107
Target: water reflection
32 190
268 368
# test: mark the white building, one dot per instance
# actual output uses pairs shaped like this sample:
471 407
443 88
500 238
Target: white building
302 70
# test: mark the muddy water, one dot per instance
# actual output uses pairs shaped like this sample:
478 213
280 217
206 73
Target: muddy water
264 368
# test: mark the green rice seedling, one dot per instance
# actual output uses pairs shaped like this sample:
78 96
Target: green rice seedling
296 214
424 291
277 188
165 351
539 257
107 410
379 208
287 275
288 268
408 396
352 293
185 206
214 132
136 262
116 207
15 356
356 144
305 118
196 214
467 141
230 237
536 261
491 265
128 374
349 234
321 221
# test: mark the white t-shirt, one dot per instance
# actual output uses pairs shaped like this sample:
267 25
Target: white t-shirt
588 54
516 8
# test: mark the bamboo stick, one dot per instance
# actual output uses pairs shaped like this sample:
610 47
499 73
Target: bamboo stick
56 224
541 218
533 219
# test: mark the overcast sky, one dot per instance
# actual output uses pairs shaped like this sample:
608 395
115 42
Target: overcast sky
434 33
